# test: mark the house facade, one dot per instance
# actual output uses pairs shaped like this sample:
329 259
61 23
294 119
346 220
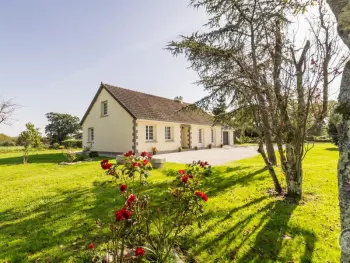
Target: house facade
119 120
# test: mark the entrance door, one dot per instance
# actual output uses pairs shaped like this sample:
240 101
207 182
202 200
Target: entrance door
225 137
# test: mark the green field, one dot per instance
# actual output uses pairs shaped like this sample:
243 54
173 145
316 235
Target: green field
8 149
48 211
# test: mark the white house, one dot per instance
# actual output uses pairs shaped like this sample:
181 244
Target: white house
119 120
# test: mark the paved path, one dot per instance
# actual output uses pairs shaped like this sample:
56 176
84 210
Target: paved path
214 156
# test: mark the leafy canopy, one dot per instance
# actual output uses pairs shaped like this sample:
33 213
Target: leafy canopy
60 126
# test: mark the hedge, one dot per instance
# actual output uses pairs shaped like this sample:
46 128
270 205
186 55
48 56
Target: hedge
71 143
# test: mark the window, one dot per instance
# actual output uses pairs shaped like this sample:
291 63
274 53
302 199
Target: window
212 136
91 134
200 136
149 133
104 108
168 133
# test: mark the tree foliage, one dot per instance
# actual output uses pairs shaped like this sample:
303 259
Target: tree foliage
60 126
29 139
248 54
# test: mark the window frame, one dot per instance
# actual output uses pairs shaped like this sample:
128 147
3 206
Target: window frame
103 105
91 134
170 130
148 139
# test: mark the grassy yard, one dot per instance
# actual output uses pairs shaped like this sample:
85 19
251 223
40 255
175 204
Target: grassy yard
48 212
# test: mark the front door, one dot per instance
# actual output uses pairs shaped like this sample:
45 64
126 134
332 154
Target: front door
225 137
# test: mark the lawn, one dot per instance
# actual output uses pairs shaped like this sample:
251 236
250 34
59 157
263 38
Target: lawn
48 211
8 149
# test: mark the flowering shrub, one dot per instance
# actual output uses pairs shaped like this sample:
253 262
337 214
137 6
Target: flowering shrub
146 232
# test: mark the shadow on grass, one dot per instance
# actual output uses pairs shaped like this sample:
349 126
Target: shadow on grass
333 149
256 237
55 228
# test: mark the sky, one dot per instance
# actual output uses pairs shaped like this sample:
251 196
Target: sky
55 54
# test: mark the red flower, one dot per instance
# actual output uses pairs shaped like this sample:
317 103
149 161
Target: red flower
131 198
149 156
123 188
128 154
206 163
139 252
184 179
91 246
123 214
145 162
182 172
105 165
190 176
202 195
143 154
136 164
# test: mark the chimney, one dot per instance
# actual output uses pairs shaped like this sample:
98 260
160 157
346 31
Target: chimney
178 99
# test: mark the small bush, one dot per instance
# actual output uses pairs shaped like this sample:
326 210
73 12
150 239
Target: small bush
180 149
93 154
61 147
71 143
221 145
195 148
56 146
210 146
71 156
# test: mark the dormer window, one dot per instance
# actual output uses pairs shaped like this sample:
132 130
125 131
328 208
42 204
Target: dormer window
104 108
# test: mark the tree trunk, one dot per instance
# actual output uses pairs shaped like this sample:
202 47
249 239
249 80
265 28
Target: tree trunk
344 163
270 149
269 166
341 9
293 171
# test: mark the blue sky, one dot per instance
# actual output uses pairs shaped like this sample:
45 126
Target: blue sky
54 54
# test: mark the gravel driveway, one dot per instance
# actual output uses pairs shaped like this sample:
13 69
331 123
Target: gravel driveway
214 156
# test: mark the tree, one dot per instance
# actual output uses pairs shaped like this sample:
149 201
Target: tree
61 126
249 56
29 139
7 108
220 107
341 10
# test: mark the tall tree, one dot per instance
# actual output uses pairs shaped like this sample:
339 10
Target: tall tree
248 55
29 139
341 9
60 126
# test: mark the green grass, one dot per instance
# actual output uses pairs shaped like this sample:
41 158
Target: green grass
48 212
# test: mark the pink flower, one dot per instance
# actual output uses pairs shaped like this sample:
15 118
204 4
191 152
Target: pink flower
149 156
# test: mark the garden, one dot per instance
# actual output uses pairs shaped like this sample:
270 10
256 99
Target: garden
55 213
